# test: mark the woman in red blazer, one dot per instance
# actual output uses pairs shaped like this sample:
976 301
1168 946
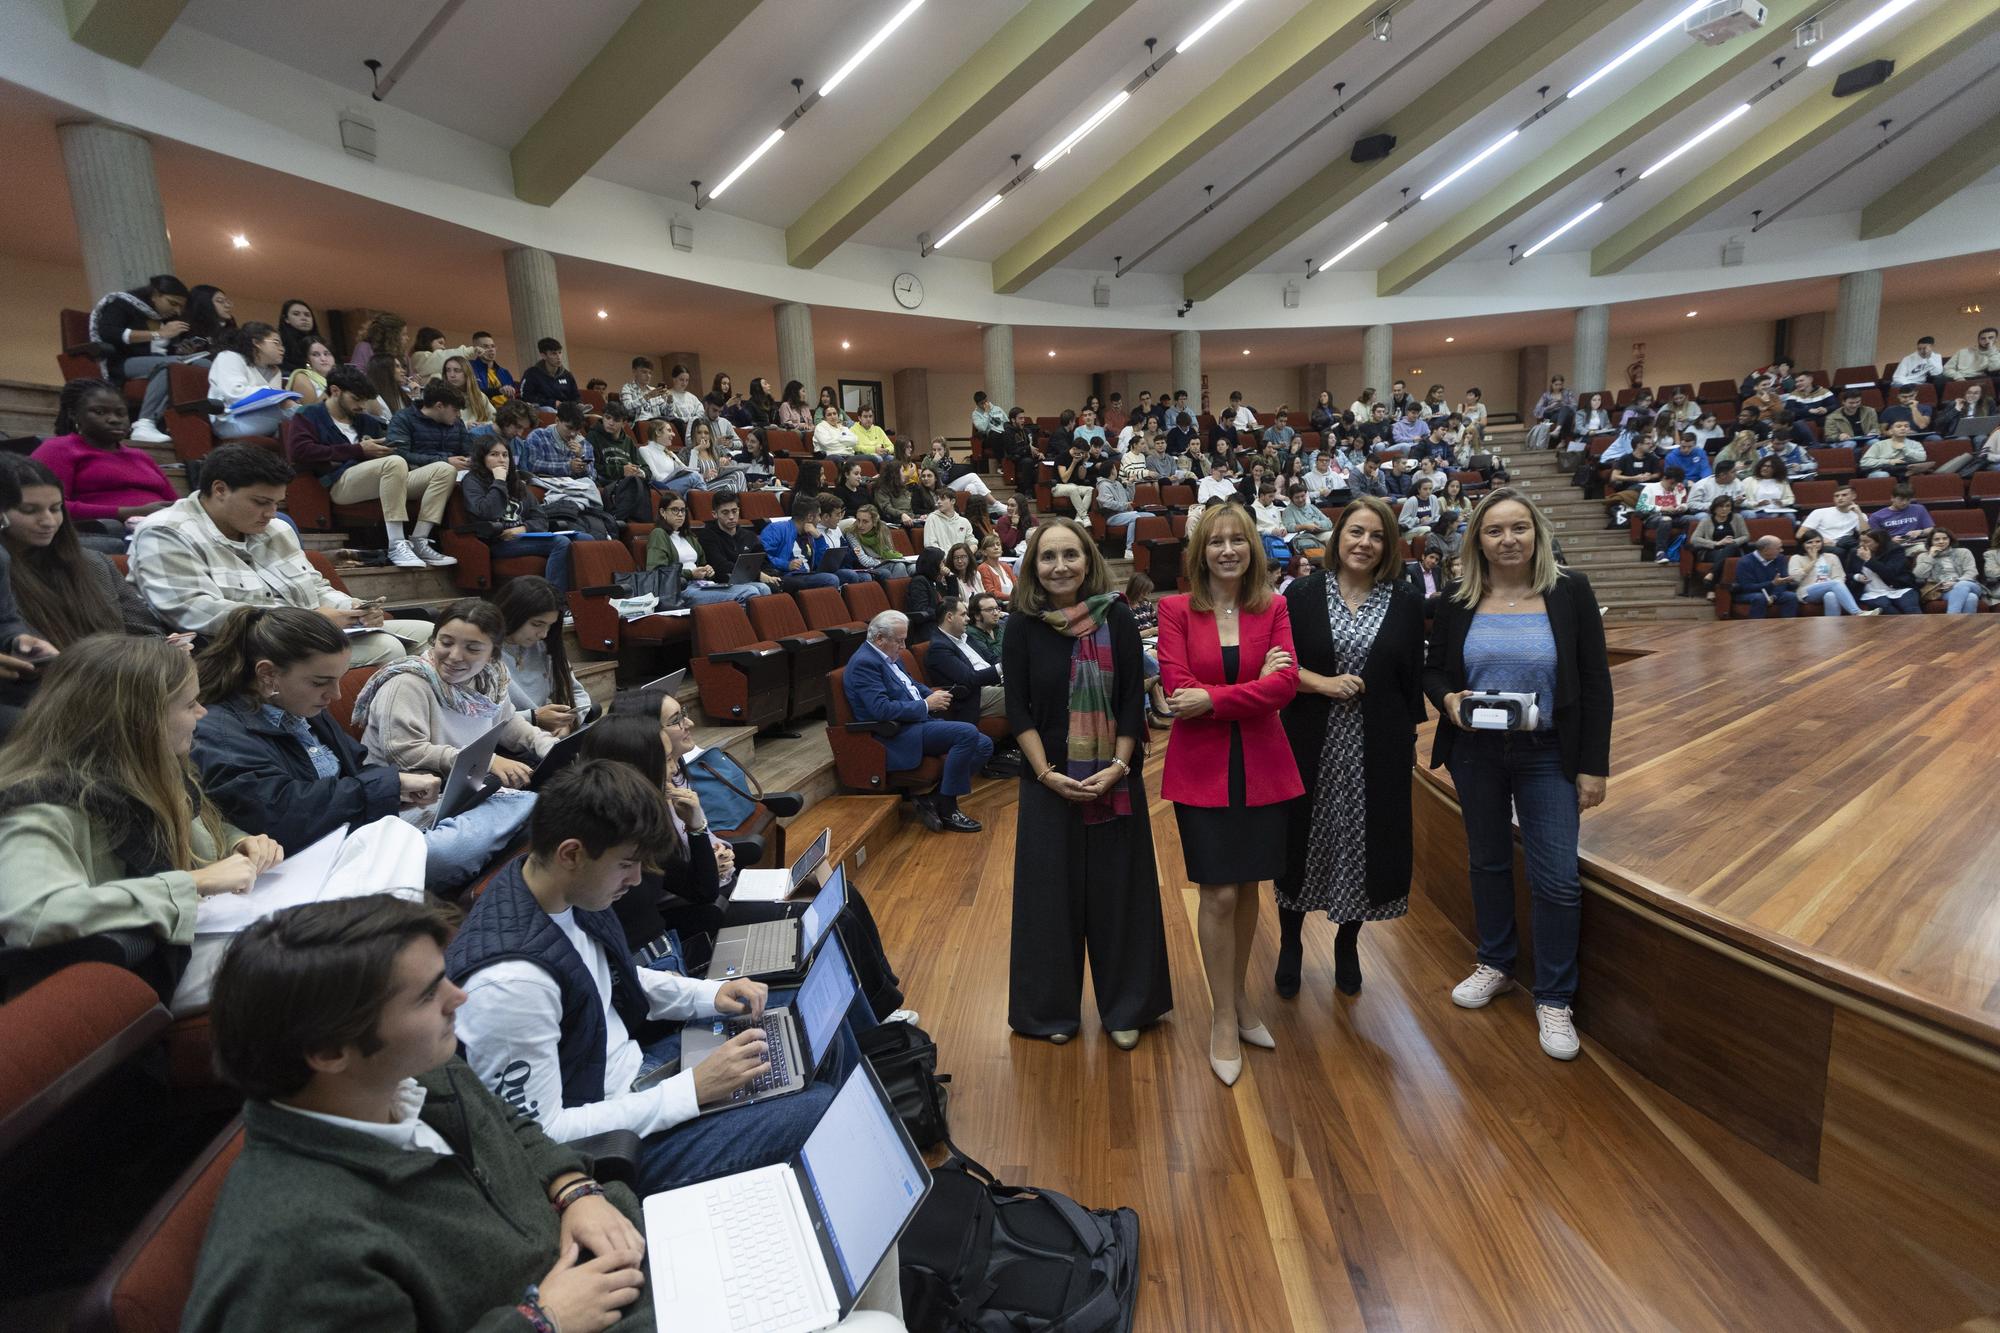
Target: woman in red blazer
1225 652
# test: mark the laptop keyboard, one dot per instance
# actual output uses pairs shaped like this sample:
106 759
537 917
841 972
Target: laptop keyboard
769 948
762 1271
776 1075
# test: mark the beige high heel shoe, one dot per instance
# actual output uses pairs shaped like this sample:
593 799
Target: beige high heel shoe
1226 1070
1258 1036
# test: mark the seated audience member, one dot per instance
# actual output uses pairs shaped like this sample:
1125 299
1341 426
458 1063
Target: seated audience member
794 412
1088 432
1725 480
1420 509
988 615
958 666
350 453
870 439
549 383
1556 408
61 587
308 380
1768 493
1982 358
1807 401
1972 401
726 536
704 583
1662 505
494 380
1908 408
386 334
211 318
669 468
1631 473
299 328
994 574
207 554
958 576
22 650
1762 583
714 466
989 422
1740 453
275 762
1690 458
1114 497
643 397
1840 523
558 458
1818 575
832 436
1014 524
794 547
684 408
1923 366
429 435
1720 534
944 526
613 446
1895 454
1854 420
1409 431
540 683
854 488
504 511
246 368
1881 577
392 389
139 326
715 415
336 1023
417 714
756 463
1904 522
1945 569
107 485
879 690
1799 464
875 552
561 1020
1280 432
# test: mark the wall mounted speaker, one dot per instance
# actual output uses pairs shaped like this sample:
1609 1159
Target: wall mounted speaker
1372 148
1863 77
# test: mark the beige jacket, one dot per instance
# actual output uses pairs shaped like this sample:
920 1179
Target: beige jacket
63 881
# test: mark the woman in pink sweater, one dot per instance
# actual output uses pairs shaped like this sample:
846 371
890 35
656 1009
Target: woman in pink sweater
102 476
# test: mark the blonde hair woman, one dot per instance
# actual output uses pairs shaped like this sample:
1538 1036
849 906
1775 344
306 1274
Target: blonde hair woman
1520 623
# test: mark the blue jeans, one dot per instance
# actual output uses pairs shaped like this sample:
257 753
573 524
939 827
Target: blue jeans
795 582
965 749
556 548
264 421
1962 598
735 592
748 1136
1834 599
1903 602
457 849
682 483
1782 600
1501 775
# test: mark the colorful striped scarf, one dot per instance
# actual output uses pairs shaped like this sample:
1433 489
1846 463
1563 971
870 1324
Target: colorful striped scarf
1093 726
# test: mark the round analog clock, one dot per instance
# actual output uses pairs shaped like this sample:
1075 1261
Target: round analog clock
909 289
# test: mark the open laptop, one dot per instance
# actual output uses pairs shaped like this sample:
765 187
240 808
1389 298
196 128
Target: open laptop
471 780
790 1247
773 886
800 1033
775 952
1977 427
831 560
667 684
749 567
560 756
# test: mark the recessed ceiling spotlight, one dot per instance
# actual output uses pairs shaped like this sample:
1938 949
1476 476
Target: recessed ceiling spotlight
843 344
240 241
1692 313
1246 351
1379 28
604 314
1451 340
1052 351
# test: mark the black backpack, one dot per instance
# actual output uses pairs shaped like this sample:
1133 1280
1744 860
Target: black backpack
984 1257
905 1059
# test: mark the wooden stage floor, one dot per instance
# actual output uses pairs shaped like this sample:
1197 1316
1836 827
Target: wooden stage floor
1403 1164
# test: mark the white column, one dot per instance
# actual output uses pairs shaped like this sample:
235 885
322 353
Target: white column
1378 359
1187 365
535 300
998 341
1855 317
794 322
121 225
1593 343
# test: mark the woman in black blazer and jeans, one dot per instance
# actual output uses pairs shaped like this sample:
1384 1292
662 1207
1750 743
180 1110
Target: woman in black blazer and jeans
1519 622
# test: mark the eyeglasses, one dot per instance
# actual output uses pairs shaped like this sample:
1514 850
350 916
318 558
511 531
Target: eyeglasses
680 719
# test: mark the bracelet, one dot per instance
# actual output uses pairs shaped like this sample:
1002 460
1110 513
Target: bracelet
582 1189
530 1309
697 832
1123 767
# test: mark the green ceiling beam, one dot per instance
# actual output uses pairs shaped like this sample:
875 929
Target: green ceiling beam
124 30
652 51
1976 153
1611 123
1942 31
1552 31
1282 63
999 74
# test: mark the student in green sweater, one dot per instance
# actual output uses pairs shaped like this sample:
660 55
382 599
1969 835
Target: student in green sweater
380 1186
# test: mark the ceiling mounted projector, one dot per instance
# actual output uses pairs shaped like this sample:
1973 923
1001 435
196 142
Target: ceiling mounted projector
1715 24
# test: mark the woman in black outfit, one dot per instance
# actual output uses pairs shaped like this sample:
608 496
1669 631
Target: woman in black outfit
1358 638
1085 882
854 489
920 599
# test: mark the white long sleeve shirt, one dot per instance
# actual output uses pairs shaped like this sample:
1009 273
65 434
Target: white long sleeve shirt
230 377
1915 369
511 1024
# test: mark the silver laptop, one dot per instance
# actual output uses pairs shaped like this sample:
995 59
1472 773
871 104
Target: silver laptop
789 1248
1976 427
749 567
471 779
800 1033
667 684
778 885
775 950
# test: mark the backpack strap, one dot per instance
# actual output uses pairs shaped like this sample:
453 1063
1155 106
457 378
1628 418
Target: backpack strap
707 766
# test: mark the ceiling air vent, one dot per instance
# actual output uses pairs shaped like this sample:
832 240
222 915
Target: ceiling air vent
1715 24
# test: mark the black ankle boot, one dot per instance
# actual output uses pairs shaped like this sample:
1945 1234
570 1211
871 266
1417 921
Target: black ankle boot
1347 958
1291 952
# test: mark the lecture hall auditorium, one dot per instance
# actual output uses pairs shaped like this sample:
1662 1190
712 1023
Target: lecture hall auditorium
1161 665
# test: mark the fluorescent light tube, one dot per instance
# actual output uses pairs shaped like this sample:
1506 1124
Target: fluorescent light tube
1857 32
1671 25
1529 252
977 214
1732 116
1360 241
1210 22
1484 153
1075 136
868 47
747 163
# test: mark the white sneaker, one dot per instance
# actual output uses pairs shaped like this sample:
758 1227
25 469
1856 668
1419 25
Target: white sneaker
1477 991
404 556
1558 1031
430 554
145 432
1874 611
902 1016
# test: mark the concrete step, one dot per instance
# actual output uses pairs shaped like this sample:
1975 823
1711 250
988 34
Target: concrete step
1624 612
401 586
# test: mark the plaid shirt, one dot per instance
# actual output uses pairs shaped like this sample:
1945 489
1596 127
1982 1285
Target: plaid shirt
193 577
541 453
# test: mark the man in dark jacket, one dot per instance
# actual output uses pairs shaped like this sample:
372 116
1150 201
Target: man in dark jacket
138 327
380 1186
345 449
548 382
955 663
726 536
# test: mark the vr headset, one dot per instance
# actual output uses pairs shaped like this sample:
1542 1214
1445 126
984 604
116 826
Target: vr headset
1499 710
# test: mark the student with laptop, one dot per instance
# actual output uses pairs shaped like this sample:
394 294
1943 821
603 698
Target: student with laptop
557 1009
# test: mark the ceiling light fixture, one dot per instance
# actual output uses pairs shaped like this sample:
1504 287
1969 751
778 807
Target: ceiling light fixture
1451 340
868 47
1857 32
1575 221
1208 23
1356 244
1731 116
843 344
240 241
770 141
1246 351
604 314
1671 25
1379 27
1075 136
977 214
1052 351
1479 157
1692 313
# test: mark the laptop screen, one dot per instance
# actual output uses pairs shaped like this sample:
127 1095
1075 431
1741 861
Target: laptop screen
823 998
864 1181
814 854
820 913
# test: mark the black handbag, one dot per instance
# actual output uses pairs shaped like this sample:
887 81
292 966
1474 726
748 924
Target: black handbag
905 1059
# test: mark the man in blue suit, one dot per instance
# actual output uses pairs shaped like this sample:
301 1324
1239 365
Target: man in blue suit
879 690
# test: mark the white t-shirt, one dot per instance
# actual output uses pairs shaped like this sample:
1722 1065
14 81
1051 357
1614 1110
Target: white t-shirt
1833 524
511 1025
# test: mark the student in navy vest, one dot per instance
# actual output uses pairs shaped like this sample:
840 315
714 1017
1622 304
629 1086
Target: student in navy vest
560 1020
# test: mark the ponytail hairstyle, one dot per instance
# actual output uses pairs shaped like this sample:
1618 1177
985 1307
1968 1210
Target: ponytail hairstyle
284 636
520 600
53 583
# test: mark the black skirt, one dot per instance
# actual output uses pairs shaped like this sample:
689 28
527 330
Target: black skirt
1236 843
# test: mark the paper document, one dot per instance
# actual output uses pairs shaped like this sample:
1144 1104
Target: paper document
762 886
294 880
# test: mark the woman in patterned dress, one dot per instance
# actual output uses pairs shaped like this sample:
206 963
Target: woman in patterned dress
1359 635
